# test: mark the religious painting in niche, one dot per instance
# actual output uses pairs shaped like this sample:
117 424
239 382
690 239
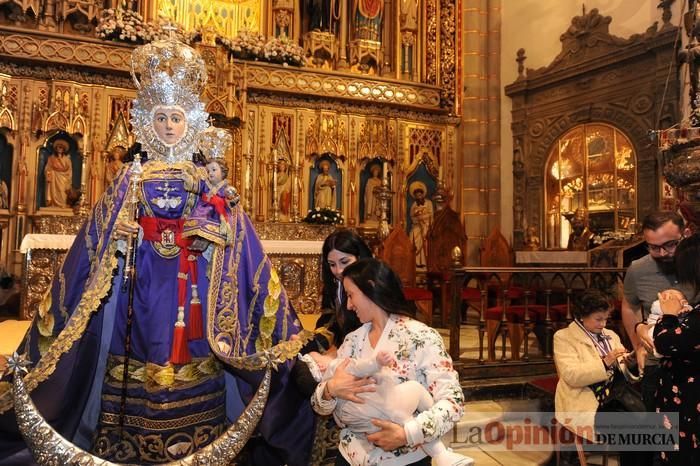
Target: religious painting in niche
59 172
420 208
591 170
6 154
325 182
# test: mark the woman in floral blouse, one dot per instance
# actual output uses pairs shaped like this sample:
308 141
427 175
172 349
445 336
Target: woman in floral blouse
677 339
374 294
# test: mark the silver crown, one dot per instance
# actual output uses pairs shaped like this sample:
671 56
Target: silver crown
215 142
169 60
168 73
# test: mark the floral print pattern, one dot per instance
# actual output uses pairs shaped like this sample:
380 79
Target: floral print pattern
677 339
420 355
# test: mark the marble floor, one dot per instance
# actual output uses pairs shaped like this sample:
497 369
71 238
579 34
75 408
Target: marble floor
469 343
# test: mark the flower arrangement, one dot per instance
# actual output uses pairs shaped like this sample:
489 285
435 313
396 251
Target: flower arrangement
324 216
246 45
128 26
120 25
254 46
282 50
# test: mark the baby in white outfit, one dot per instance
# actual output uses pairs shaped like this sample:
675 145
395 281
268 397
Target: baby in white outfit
396 402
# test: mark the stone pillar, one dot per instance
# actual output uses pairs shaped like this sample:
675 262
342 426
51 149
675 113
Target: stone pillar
480 158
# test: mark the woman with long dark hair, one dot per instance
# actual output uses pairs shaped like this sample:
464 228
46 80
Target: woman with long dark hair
375 295
340 249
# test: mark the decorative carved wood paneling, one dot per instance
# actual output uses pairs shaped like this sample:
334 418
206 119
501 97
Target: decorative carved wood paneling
597 77
398 251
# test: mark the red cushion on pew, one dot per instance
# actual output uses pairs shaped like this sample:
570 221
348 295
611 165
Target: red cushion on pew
471 294
412 293
516 314
557 312
513 292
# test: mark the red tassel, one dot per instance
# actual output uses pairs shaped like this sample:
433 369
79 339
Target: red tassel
180 352
194 326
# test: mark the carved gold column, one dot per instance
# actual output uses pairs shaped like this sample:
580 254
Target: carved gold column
296 173
260 216
22 173
248 181
387 40
352 191
82 207
385 194
343 47
272 166
407 16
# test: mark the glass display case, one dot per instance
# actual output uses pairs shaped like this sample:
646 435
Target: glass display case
590 167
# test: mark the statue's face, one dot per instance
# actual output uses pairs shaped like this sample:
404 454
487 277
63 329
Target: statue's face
118 153
60 149
214 172
170 124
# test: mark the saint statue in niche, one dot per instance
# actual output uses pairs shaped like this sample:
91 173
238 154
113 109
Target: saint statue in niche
114 164
368 19
373 210
284 189
58 175
324 187
321 14
421 214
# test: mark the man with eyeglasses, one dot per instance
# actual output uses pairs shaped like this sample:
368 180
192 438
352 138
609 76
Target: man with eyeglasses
645 278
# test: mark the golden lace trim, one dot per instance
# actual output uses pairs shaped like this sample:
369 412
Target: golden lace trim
268 321
227 346
154 377
165 424
165 405
62 299
88 239
253 302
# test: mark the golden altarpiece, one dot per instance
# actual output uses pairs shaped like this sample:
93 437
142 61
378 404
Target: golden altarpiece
327 101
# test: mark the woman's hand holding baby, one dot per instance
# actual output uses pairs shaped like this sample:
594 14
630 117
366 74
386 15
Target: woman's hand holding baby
346 386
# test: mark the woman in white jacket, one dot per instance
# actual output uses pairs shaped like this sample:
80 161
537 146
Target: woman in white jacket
374 293
584 354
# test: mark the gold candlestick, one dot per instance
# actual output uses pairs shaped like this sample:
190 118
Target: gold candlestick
384 194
